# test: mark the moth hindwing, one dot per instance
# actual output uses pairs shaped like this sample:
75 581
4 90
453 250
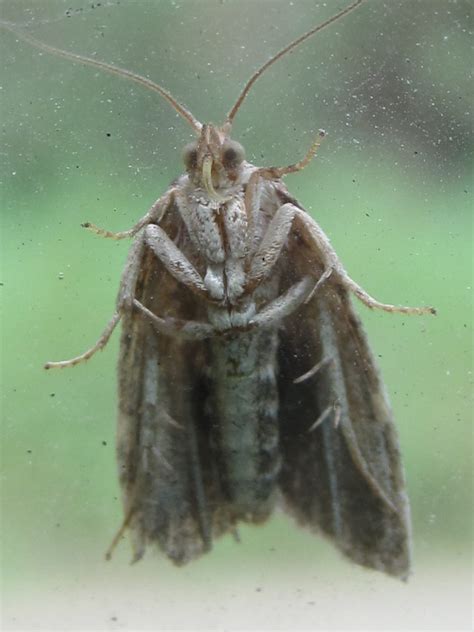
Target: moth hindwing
245 377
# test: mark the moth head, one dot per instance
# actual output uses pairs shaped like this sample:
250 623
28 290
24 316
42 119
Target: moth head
214 161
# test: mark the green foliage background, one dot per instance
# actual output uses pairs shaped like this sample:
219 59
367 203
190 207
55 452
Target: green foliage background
391 187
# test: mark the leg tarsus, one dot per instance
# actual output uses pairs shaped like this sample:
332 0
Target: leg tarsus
99 345
154 214
108 234
124 300
253 191
372 303
306 224
129 276
271 173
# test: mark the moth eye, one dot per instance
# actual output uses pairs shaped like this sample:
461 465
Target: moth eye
190 156
232 154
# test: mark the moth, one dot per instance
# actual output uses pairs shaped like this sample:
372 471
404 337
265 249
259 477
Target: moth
245 378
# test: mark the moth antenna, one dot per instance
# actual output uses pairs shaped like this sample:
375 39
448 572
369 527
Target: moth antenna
287 49
110 68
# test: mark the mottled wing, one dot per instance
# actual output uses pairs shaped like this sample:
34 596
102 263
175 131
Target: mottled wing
345 481
166 467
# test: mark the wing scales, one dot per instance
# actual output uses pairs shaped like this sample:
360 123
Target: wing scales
167 467
345 481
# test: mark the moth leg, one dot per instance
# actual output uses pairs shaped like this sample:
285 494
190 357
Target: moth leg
372 303
315 369
271 173
154 214
288 302
124 298
100 344
120 533
128 281
322 246
174 260
272 313
186 330
336 408
270 247
130 274
253 190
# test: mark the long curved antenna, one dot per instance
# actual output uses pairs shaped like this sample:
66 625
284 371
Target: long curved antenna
114 70
294 44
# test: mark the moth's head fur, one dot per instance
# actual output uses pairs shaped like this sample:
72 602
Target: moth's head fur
214 161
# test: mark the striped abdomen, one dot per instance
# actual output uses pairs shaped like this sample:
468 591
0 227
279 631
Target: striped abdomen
243 408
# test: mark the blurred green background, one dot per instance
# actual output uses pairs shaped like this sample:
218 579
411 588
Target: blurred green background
391 186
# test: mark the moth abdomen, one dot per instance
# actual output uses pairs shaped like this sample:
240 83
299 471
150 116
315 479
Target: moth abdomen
244 404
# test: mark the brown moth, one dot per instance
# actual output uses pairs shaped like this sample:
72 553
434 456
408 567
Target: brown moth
245 377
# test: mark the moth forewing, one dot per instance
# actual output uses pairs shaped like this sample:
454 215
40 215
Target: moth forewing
244 374
343 475
158 403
